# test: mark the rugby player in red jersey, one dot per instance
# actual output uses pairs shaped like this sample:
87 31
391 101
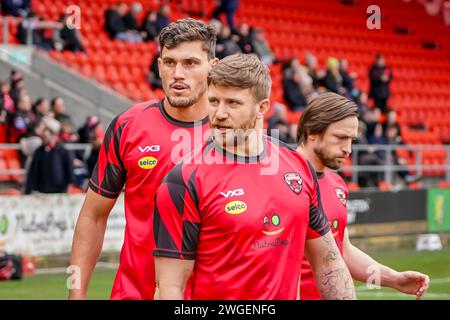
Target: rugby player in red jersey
137 153
235 216
325 133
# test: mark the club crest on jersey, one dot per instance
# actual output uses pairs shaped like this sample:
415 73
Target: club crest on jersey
341 196
294 181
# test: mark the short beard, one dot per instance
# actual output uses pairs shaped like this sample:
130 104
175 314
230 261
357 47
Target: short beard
327 162
182 102
185 102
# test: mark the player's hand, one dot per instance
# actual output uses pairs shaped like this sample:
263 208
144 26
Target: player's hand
412 282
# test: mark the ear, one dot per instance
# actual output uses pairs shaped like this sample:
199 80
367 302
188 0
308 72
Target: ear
159 66
312 137
213 62
263 107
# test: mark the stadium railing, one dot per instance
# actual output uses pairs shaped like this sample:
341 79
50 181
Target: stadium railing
389 167
86 148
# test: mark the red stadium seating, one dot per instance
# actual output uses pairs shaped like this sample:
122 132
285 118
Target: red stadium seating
421 86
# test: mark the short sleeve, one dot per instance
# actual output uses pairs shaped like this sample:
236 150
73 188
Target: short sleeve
176 219
318 222
109 175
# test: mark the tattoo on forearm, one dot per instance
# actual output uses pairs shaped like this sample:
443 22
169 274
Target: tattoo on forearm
332 254
335 281
336 285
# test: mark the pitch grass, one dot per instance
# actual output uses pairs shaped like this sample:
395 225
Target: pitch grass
436 264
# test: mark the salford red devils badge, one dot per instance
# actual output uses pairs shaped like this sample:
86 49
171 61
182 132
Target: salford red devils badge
294 181
341 196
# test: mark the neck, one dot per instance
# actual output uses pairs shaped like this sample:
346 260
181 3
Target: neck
309 153
252 146
198 111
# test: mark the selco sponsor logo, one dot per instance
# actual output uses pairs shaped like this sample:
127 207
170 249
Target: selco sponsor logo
147 162
236 207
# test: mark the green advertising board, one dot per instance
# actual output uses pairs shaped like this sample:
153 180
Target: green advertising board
439 210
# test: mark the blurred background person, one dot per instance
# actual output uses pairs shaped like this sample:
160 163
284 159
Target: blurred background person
227 7
51 170
380 79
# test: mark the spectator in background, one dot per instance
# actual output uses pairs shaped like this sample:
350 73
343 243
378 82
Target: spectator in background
17 8
296 85
92 132
30 143
391 121
333 78
380 78
292 91
132 17
40 108
162 18
153 77
228 7
70 38
378 138
67 133
362 101
311 66
279 123
371 117
115 25
393 138
17 86
59 109
22 120
348 80
226 43
367 158
35 26
149 26
51 170
261 47
245 39
6 102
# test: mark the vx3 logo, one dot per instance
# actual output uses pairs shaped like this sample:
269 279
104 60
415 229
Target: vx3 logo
233 193
153 148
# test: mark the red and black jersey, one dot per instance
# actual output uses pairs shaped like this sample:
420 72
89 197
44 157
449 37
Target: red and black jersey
243 219
334 194
140 147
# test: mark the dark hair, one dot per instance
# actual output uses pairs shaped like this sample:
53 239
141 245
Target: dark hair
322 111
52 103
186 30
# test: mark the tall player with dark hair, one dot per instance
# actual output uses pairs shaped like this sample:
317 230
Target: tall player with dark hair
137 153
239 214
325 132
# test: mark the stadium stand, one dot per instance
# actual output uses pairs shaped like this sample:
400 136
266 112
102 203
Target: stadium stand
416 49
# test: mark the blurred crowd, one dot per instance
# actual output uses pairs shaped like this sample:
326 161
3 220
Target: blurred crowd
301 80
42 128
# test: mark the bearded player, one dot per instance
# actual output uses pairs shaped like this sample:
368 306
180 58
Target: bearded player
230 224
325 133
137 153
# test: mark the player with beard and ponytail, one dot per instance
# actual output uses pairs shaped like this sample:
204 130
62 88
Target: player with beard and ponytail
137 153
325 133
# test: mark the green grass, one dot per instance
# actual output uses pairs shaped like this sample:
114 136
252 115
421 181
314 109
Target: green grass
436 264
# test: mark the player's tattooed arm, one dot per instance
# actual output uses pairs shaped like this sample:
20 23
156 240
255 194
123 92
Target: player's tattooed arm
332 276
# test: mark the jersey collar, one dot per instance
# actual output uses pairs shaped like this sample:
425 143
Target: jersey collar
184 124
239 158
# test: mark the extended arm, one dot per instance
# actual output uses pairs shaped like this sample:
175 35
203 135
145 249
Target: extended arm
88 238
362 267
